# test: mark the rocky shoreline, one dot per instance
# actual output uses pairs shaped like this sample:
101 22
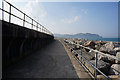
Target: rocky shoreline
107 65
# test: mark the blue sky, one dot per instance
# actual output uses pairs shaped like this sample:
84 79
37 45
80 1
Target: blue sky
90 17
74 17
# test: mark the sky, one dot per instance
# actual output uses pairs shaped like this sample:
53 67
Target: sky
72 17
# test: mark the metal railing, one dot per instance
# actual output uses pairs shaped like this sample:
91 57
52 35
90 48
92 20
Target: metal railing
32 23
96 59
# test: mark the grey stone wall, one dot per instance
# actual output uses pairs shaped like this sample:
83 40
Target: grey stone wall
18 41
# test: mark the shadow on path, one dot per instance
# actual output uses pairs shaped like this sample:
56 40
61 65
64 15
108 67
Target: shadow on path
50 62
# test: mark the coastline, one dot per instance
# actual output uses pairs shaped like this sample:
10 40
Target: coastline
96 39
110 39
106 39
103 39
109 49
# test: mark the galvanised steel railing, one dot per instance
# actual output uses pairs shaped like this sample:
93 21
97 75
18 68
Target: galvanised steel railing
32 23
96 59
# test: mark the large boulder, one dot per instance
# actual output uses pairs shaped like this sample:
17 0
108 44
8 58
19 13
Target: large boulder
108 48
73 46
82 41
99 44
77 41
117 49
106 59
92 54
102 66
88 56
76 47
113 77
90 44
114 69
118 57
116 44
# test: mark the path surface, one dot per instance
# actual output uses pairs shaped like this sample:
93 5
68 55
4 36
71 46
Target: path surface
50 62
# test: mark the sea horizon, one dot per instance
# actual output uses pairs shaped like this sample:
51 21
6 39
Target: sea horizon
108 39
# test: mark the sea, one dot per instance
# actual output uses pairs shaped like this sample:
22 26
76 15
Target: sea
110 39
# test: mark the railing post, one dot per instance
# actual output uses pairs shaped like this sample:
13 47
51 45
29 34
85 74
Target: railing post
24 21
45 30
40 28
81 55
37 27
2 9
10 14
32 24
96 60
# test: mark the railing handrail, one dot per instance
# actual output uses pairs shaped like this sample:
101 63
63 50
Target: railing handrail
101 53
91 64
94 66
42 28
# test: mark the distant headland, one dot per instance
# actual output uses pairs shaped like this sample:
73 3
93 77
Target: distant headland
80 36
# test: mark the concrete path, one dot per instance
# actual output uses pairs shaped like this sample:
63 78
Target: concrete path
50 62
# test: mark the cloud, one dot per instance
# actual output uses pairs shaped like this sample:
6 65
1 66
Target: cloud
71 20
35 10
32 8
85 11
76 18
53 24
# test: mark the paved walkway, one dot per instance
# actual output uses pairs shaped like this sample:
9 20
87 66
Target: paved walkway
50 62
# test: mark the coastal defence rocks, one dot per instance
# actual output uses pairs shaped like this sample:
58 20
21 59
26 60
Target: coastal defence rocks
117 49
109 48
107 65
91 44
106 59
101 65
118 57
114 69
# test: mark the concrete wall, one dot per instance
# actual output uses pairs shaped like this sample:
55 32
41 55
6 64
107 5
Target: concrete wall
18 41
0 51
